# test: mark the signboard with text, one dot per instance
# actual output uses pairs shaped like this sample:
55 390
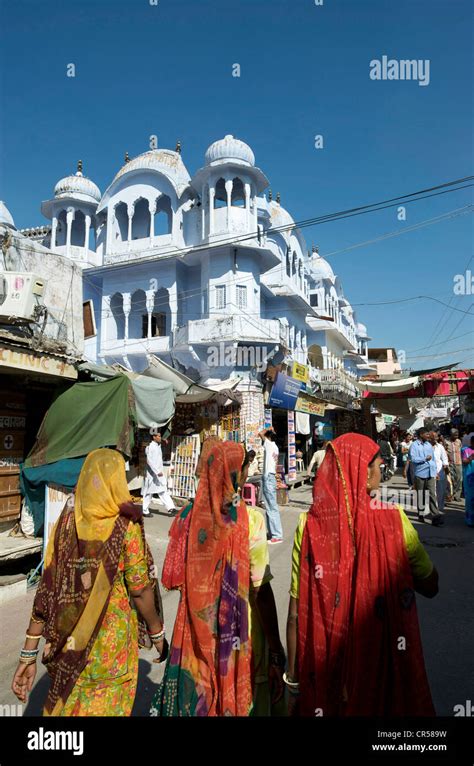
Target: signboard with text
56 498
300 372
308 404
284 392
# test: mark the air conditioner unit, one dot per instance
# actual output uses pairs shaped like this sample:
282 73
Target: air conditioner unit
19 293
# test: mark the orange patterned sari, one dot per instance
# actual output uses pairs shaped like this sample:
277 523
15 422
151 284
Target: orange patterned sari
208 671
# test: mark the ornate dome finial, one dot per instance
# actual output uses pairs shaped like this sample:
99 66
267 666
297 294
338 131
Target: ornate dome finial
315 249
278 198
270 195
127 158
178 147
79 168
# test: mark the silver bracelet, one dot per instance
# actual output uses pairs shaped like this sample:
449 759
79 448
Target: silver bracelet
291 684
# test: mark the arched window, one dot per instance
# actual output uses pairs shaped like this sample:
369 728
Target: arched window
61 229
138 315
163 216
288 261
118 326
121 217
315 356
220 197
238 193
294 269
78 229
141 220
161 317
300 274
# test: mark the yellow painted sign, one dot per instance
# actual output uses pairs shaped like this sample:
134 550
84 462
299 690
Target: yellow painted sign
48 365
308 404
300 372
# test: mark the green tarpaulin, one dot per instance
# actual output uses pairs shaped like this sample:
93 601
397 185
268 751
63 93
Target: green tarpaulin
154 399
87 416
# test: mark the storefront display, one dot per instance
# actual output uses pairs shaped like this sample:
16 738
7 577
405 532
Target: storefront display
291 447
267 418
12 443
184 457
229 424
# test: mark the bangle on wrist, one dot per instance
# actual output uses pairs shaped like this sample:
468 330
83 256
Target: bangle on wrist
33 638
290 682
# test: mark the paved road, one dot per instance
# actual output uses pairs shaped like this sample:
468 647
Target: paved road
447 622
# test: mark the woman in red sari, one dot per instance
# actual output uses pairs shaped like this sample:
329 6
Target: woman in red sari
354 646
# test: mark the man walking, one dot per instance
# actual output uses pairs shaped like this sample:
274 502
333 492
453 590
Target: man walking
155 481
422 458
441 468
270 462
453 450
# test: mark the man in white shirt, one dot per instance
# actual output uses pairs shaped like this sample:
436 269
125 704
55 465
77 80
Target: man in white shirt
269 491
442 468
155 480
317 459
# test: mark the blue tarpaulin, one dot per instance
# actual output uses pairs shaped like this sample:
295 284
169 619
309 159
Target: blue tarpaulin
33 483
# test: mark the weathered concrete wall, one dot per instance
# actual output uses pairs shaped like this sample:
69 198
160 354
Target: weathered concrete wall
63 287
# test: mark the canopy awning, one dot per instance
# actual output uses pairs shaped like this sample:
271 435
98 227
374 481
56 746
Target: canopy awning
388 387
189 392
154 398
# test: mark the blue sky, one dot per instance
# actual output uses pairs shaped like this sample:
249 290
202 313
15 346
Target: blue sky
167 70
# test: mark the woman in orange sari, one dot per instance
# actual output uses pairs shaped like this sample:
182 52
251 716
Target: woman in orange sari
354 646
218 558
97 563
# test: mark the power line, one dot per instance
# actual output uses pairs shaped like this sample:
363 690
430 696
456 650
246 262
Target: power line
405 230
444 312
415 298
441 342
328 217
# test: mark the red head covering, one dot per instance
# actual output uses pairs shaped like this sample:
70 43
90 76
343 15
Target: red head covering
359 647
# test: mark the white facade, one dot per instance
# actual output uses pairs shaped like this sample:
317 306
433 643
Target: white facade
184 267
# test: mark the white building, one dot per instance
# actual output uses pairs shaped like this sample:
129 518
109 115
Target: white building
206 272
41 342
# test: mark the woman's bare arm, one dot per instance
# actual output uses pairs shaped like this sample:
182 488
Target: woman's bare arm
144 600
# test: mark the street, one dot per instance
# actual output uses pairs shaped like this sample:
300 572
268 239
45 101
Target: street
447 621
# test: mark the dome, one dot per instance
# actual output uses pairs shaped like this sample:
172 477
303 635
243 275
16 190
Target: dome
320 269
6 217
230 149
361 330
77 185
163 161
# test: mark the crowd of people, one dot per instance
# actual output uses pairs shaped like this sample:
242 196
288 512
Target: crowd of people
439 468
99 599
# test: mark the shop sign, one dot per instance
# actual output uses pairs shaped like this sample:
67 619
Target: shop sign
325 431
45 364
291 447
300 372
309 405
285 392
56 498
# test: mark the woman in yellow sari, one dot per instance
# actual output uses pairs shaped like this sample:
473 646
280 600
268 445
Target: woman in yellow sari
97 569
